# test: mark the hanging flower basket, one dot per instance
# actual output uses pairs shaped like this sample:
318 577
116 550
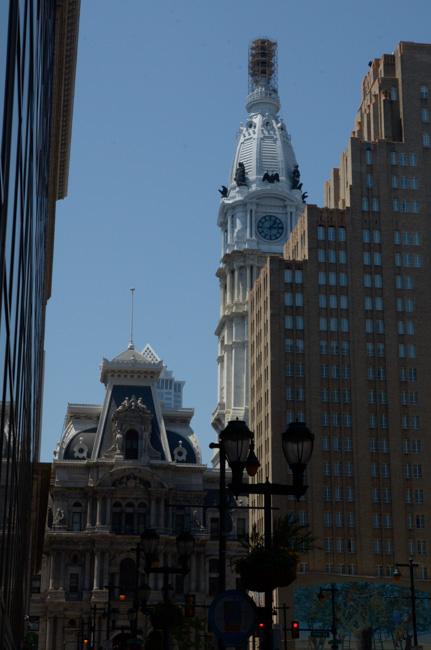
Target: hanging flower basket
263 570
165 616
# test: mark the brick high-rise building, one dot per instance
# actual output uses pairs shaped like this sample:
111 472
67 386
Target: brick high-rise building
340 337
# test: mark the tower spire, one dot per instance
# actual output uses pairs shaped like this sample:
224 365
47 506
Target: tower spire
131 345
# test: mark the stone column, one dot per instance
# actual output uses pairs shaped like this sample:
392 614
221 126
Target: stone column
192 573
98 511
96 570
152 508
105 569
87 585
50 643
89 509
51 571
201 561
108 512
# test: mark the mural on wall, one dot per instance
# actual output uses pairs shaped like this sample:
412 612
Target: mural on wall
364 609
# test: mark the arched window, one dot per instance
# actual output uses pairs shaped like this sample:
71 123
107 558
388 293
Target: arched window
127 577
131 445
116 517
142 511
76 516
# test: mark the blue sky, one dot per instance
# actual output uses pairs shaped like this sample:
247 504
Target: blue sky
160 92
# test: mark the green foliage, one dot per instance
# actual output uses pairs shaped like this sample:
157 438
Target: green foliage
287 535
190 635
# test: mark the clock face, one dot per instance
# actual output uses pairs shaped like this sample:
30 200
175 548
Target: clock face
270 227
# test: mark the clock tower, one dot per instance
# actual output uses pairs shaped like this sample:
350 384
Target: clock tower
258 210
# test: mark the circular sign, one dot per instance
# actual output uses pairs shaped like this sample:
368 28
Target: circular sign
233 617
31 638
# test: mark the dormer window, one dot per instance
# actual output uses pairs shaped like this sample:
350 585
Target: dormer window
131 445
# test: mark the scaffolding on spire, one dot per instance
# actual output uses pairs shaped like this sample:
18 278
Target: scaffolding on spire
262 65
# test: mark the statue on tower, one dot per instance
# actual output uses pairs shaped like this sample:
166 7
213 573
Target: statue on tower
240 174
296 185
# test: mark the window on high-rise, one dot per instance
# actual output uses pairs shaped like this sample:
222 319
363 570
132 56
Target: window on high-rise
366 236
413 374
404 206
394 158
341 234
416 446
321 233
368 157
345 348
322 277
406 238
298 276
378 281
370 349
288 299
403 159
369 180
408 282
344 303
422 547
419 496
334 347
411 351
376 206
401 328
409 305
404 182
413 160
426 139
332 279
369 326
395 205
332 256
414 206
424 92
378 546
417 471
377 520
288 276
331 233
325 419
380 349
321 255
416 238
425 114
420 522
327 518
367 258
365 206
394 182
368 280
384 446
417 261
342 257
380 328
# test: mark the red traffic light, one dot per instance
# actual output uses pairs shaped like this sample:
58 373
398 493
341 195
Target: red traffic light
295 630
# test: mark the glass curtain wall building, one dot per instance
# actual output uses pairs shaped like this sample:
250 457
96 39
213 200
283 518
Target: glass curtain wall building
38 46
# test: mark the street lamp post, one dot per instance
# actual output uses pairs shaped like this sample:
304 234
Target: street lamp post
237 443
321 597
397 575
185 545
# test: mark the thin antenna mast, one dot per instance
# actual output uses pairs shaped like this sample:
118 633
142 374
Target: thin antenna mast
131 346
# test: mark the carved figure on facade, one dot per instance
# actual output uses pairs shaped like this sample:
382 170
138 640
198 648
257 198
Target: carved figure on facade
131 414
271 178
131 481
296 175
59 519
224 191
240 174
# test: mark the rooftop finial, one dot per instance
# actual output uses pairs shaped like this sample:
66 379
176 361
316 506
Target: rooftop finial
131 345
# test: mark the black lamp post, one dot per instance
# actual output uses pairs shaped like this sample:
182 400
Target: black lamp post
185 544
321 598
237 443
397 575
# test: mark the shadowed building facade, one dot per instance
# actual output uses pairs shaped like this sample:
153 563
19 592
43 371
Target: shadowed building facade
128 465
38 49
340 338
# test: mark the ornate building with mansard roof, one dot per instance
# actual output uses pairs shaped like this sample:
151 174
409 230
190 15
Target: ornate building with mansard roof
130 464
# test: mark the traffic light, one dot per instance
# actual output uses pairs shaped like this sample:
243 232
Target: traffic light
295 630
189 608
260 622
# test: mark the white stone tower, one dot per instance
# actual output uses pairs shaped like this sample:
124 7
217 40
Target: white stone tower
258 211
